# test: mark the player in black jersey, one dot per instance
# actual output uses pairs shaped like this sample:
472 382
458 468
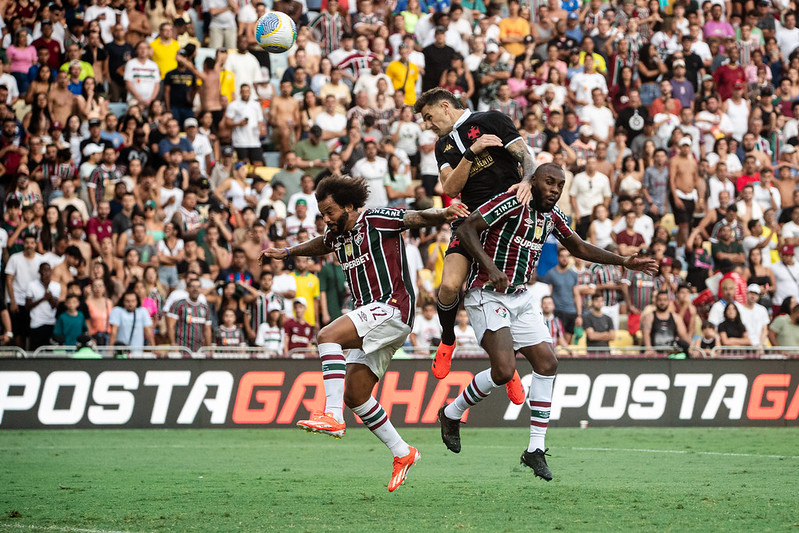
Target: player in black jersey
479 155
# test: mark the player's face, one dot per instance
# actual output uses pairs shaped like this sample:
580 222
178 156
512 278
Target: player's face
334 215
438 119
547 188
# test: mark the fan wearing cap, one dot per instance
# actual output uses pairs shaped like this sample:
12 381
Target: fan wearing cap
687 189
271 336
786 274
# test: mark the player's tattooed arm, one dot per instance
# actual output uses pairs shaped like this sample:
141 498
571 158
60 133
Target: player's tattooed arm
434 217
312 248
518 149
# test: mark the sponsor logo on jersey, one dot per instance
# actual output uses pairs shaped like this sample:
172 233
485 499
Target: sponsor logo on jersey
358 261
447 148
527 243
528 221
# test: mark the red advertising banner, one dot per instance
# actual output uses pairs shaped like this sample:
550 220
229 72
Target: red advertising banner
276 393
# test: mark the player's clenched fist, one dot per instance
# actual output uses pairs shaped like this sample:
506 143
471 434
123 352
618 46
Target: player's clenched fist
484 141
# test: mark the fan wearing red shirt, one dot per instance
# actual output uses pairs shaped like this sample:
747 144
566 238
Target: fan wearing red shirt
628 240
99 227
727 75
298 332
749 174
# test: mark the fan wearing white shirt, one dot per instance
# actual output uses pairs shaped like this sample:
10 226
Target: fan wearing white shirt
598 116
374 169
333 124
41 300
426 328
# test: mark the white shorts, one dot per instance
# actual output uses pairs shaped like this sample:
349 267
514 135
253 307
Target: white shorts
492 311
383 333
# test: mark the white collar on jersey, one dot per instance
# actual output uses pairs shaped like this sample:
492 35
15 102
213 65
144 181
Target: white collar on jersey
454 133
466 114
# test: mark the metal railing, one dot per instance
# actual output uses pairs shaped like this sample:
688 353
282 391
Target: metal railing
236 352
616 352
755 352
115 352
11 352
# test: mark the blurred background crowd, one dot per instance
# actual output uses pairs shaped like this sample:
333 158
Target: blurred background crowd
151 150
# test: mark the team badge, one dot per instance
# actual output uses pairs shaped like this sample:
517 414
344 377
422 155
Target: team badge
358 239
473 133
502 312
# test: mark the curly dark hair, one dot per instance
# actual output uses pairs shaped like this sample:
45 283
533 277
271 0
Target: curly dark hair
344 190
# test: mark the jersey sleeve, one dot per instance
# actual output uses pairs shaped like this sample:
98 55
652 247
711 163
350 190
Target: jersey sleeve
386 220
561 229
499 208
447 154
329 239
500 125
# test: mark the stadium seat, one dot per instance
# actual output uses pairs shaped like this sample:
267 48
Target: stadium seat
266 172
623 338
272 159
118 108
668 222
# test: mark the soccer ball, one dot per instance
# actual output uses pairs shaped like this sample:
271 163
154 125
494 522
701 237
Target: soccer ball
275 32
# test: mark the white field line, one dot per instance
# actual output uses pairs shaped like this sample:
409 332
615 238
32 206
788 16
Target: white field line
55 528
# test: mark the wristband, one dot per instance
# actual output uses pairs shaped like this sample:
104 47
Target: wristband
468 155
288 252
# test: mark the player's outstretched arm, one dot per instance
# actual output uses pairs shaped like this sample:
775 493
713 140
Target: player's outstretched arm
469 234
588 252
311 248
434 217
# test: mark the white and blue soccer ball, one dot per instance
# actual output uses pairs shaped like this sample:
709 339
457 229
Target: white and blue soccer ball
275 32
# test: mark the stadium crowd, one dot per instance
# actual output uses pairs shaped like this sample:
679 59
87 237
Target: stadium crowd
140 145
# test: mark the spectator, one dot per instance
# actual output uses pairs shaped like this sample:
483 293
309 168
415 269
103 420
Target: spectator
426 328
588 189
704 344
130 323
784 331
662 327
41 300
599 330
189 319
786 275
299 334
70 324
271 335
244 116
731 330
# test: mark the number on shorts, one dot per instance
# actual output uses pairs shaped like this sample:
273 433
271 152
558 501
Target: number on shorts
377 312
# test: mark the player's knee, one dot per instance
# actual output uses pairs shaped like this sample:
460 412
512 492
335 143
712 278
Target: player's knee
449 289
501 373
325 335
353 399
547 367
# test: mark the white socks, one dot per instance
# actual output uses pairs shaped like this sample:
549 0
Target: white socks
374 417
540 401
478 390
334 369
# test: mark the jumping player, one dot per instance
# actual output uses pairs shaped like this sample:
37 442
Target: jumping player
369 246
505 238
478 156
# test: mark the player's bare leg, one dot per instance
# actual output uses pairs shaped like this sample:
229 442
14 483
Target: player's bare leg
499 346
333 339
358 397
545 366
456 268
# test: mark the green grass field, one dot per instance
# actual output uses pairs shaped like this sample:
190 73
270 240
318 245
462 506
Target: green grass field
257 480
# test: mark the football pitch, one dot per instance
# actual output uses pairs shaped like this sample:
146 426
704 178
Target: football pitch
606 479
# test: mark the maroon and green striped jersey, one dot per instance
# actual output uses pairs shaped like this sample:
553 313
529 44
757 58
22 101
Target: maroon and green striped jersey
192 318
372 255
514 238
641 288
229 336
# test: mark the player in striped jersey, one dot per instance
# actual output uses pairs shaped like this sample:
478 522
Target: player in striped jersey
505 239
478 156
368 244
